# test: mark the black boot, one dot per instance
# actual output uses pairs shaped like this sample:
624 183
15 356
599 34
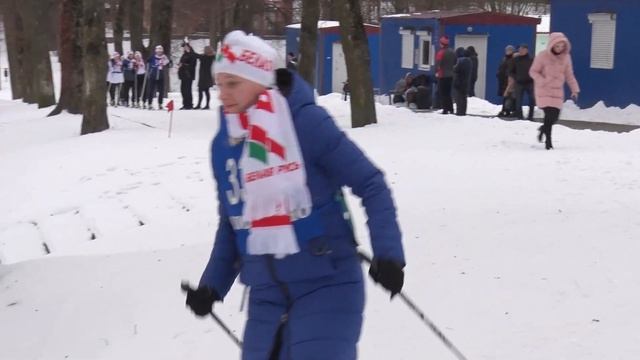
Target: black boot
530 117
540 133
548 144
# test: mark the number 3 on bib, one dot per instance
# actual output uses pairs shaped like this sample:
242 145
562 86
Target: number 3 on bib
235 194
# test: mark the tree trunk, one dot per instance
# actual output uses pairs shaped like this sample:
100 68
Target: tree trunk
161 20
309 40
356 52
118 26
15 49
327 9
243 12
94 59
37 61
70 58
136 26
217 25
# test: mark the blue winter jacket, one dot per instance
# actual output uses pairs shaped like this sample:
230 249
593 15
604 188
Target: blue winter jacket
154 66
325 237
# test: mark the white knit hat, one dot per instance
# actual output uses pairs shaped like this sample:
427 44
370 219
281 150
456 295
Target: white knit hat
246 56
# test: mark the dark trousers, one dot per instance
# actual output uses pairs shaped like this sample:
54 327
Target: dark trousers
521 89
508 105
204 91
444 89
461 101
551 116
138 91
187 95
114 89
127 91
155 85
472 88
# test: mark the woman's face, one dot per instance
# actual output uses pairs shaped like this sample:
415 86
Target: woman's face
237 94
560 47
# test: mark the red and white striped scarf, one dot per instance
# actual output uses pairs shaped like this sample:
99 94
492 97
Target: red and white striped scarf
273 175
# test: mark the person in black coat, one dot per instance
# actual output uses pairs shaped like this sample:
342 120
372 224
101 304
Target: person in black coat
473 56
186 74
508 102
292 61
462 80
523 81
205 79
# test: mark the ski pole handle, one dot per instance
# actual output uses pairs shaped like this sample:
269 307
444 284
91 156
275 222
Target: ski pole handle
366 258
184 285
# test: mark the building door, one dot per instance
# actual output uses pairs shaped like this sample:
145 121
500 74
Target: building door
338 68
479 42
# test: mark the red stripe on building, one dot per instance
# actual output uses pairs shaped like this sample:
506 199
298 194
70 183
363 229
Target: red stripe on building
277 220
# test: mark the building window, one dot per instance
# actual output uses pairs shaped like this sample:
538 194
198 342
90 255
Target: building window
425 51
603 40
407 48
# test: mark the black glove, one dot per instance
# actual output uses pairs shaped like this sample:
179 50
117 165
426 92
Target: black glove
387 273
201 300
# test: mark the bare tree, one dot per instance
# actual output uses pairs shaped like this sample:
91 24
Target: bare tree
136 25
309 40
219 15
14 35
161 26
356 51
517 7
70 58
401 6
328 9
244 12
37 63
95 70
118 24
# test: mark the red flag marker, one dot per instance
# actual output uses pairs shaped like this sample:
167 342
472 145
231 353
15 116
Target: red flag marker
170 110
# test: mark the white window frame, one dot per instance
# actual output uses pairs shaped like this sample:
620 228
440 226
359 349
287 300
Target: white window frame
407 49
422 37
603 40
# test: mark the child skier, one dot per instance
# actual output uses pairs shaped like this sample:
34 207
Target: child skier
280 163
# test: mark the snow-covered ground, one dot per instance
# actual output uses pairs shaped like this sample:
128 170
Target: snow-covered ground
513 251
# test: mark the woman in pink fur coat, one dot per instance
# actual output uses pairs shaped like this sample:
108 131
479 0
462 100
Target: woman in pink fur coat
550 70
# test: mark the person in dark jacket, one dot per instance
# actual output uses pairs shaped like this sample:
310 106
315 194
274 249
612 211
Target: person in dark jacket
420 89
186 74
508 101
205 79
129 69
156 65
445 61
473 56
141 70
399 89
292 61
282 224
523 82
462 80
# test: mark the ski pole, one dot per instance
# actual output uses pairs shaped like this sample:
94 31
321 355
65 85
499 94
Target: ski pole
186 287
421 315
144 91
